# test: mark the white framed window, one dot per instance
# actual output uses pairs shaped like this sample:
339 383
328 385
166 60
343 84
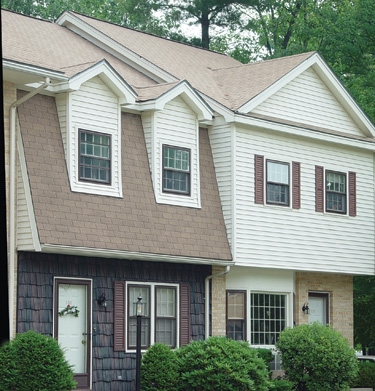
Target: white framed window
336 192
236 315
176 170
94 157
277 189
160 320
269 316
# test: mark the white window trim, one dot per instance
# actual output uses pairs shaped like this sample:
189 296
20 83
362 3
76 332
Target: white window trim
152 285
288 317
115 188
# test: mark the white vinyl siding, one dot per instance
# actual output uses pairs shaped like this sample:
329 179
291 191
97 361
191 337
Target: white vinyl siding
307 100
302 239
222 149
95 108
176 126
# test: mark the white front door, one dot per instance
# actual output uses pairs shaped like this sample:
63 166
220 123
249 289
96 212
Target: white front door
318 308
73 325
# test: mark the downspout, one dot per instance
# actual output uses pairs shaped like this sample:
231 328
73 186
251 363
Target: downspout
207 300
12 198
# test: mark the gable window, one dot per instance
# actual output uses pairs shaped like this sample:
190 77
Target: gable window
94 157
159 319
268 317
236 315
335 192
277 189
176 170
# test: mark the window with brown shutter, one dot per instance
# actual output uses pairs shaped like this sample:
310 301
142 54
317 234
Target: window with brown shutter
296 185
184 314
259 179
352 194
119 316
319 189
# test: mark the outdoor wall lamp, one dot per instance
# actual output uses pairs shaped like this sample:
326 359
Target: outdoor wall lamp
306 309
102 300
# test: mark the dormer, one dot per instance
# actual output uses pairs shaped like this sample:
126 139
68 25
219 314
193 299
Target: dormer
171 124
89 108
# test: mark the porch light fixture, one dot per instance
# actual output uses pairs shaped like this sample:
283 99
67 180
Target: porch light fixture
306 309
139 311
102 301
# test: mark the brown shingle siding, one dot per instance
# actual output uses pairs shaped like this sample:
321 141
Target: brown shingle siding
132 223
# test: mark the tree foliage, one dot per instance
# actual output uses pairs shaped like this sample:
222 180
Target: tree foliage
364 313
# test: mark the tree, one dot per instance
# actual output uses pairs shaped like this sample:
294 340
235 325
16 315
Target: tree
364 313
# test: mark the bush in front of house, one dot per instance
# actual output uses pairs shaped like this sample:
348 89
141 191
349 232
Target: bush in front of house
32 361
159 369
282 385
221 364
266 355
366 375
317 358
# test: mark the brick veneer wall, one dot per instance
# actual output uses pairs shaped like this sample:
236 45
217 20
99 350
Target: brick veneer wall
340 289
218 320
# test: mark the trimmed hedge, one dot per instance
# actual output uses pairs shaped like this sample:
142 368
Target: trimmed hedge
317 358
366 375
31 362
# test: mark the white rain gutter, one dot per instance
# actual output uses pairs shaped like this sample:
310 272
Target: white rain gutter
12 198
207 299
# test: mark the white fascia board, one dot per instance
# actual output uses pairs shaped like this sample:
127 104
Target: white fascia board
304 132
109 76
188 94
130 255
113 47
21 73
332 82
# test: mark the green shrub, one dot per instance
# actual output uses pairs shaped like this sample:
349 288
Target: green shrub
33 362
282 385
159 369
221 364
317 358
266 355
366 375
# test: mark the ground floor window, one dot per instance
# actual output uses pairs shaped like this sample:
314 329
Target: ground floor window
268 317
236 315
159 315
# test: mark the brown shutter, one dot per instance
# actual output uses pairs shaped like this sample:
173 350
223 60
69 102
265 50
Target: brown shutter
184 314
296 185
119 316
319 189
352 194
259 179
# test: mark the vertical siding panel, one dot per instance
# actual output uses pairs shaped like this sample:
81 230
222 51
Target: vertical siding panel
259 179
296 185
319 189
119 316
184 314
352 194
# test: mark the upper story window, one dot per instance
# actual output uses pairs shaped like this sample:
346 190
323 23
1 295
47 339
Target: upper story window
283 182
335 192
176 170
277 183
94 157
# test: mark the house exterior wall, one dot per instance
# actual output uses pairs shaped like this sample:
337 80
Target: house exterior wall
35 303
340 290
307 100
302 239
218 317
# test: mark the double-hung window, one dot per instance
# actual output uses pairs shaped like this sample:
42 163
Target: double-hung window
236 315
159 317
277 183
176 170
268 317
94 157
335 192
